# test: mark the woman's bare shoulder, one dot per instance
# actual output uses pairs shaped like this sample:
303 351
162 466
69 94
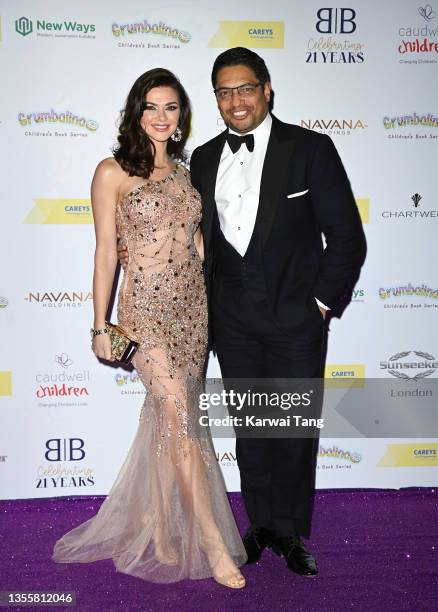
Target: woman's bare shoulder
109 168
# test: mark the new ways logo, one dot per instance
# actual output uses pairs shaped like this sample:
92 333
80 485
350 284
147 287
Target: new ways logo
23 26
60 29
335 41
60 211
250 34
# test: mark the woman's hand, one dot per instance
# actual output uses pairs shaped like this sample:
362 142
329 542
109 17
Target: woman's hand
122 254
101 346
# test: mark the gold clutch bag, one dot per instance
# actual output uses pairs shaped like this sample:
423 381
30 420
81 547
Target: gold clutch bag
123 343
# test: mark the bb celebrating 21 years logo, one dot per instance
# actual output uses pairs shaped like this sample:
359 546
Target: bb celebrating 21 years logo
251 34
338 23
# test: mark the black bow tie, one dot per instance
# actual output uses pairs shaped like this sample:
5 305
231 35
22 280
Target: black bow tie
235 141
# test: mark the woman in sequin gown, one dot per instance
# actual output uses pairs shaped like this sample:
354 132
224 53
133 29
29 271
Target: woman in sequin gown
167 516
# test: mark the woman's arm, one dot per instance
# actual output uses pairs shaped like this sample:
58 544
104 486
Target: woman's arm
104 194
199 243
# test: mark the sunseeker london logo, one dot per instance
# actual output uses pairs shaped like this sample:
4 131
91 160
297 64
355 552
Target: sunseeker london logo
54 29
131 34
410 365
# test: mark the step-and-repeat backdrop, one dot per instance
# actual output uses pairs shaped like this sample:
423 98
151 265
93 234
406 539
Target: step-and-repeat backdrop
365 73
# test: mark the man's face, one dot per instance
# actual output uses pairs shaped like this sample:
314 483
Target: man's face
240 112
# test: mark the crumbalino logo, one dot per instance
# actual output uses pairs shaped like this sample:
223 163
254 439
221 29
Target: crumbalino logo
335 42
128 35
61 388
334 458
59 299
250 34
54 29
335 127
418 42
411 127
60 124
419 365
62 469
409 296
415 211
63 211
23 26
129 383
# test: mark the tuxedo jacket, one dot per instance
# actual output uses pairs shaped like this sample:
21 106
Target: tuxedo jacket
304 193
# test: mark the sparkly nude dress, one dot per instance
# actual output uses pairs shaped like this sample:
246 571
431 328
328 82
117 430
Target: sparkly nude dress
167 516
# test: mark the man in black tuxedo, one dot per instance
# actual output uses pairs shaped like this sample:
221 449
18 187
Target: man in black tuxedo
269 191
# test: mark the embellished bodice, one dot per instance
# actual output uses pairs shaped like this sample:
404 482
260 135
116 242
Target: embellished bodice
162 298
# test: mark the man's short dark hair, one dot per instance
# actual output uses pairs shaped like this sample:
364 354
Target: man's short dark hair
240 56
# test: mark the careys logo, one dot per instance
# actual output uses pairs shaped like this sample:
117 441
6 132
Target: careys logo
250 34
63 211
410 455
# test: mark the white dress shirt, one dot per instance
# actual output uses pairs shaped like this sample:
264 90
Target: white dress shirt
237 189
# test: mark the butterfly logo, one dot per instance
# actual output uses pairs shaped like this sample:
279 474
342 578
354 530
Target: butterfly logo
427 12
63 360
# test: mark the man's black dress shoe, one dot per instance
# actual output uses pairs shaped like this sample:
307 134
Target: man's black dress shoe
297 556
255 541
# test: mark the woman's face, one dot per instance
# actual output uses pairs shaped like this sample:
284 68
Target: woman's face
161 115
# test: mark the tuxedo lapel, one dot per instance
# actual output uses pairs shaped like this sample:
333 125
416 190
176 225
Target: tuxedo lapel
211 165
274 176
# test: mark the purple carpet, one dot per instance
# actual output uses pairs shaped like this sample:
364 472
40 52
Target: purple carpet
376 550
